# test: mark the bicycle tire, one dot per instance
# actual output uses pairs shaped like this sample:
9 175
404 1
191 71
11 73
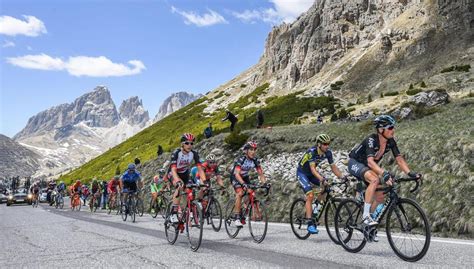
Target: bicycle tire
214 212
330 218
401 210
231 229
349 215
153 206
61 203
194 224
171 229
140 207
257 215
298 219
132 209
123 211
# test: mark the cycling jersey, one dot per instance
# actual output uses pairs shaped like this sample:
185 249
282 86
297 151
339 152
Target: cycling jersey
95 188
370 148
245 165
194 175
112 186
131 177
156 186
76 187
182 161
61 187
316 156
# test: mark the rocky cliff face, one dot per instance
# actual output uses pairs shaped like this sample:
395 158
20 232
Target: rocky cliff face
16 160
370 45
132 110
174 103
95 109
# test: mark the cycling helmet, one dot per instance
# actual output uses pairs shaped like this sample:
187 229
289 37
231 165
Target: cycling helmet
384 121
161 171
250 144
323 139
211 157
187 137
131 166
116 177
78 181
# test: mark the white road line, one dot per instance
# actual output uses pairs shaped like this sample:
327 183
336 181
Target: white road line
433 239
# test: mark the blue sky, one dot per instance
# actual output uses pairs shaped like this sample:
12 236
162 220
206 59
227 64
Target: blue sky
54 51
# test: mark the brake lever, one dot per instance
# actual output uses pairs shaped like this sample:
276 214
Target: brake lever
416 187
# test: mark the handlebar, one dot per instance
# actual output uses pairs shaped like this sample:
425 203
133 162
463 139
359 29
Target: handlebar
399 180
259 186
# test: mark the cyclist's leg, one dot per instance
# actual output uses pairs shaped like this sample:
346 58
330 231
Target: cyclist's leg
361 171
308 190
239 192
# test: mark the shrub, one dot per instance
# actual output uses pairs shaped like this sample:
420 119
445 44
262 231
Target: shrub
381 95
236 139
394 93
118 171
423 84
459 68
243 85
343 114
413 91
369 98
411 87
334 117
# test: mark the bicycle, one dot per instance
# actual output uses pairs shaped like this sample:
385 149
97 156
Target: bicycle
252 210
59 200
404 217
113 203
159 205
298 219
139 206
129 207
212 209
190 218
94 202
76 202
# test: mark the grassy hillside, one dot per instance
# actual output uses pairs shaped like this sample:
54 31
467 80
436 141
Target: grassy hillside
278 111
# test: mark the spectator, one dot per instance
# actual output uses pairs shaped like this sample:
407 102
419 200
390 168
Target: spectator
232 118
104 194
137 161
159 151
259 119
208 131
320 119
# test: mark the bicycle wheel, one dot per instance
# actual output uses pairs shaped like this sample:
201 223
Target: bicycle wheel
56 204
215 214
110 205
258 221
79 205
96 204
140 207
229 224
298 219
61 202
124 211
348 231
171 229
132 209
194 225
408 230
153 208
162 206
118 206
329 218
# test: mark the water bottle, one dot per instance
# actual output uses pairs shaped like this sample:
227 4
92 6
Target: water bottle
377 211
315 206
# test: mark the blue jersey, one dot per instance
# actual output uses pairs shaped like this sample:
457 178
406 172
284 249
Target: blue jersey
133 177
194 175
61 187
316 156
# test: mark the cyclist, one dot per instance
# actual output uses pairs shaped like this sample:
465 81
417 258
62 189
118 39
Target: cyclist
76 188
178 171
363 163
96 191
112 187
61 187
35 188
130 181
211 169
85 193
49 195
157 185
240 176
307 174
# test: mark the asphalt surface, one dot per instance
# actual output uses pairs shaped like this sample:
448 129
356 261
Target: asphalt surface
49 237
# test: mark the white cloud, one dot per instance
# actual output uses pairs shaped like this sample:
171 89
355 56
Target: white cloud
41 62
32 26
207 19
8 44
79 65
283 11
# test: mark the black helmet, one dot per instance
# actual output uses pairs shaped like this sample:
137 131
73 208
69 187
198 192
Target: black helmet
384 121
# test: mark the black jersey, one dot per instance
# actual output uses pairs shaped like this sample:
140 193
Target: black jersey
183 161
369 148
245 164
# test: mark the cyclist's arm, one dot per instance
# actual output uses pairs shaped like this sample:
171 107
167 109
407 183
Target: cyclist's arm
374 166
174 172
202 175
312 166
261 175
219 180
238 176
336 170
402 164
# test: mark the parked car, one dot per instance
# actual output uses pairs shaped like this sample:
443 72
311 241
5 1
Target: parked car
43 195
3 198
20 196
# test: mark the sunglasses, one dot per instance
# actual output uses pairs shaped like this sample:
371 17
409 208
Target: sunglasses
189 143
390 127
325 144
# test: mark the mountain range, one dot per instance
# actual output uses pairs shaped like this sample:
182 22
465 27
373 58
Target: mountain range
70 134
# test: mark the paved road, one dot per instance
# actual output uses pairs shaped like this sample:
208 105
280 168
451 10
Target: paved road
45 237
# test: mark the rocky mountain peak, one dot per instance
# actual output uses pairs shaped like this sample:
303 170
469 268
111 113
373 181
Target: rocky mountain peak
132 110
16 160
174 102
